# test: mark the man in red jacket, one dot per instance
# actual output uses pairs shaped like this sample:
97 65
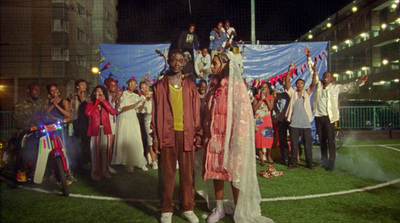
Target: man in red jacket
176 133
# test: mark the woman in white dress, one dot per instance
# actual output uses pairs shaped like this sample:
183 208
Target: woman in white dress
128 147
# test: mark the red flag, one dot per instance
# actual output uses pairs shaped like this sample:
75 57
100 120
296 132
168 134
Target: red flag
281 76
275 79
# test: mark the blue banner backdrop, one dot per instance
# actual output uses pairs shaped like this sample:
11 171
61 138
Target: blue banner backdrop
267 62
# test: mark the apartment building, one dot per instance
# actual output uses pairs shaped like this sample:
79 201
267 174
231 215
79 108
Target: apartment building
51 41
364 39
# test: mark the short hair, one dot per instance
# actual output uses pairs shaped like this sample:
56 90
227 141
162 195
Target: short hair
227 21
79 81
31 85
202 81
51 85
174 51
300 80
192 24
141 83
129 80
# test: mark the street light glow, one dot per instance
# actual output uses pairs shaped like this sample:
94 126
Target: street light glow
384 25
354 9
95 70
385 62
310 36
329 25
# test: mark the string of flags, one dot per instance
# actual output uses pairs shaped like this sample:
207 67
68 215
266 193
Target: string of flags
145 79
297 71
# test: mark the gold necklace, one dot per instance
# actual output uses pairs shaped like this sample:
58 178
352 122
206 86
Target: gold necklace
176 81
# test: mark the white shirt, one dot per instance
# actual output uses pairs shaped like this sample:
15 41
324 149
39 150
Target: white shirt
321 109
205 60
293 95
331 101
229 33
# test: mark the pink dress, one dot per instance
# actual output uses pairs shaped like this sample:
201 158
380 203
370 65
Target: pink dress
264 136
215 128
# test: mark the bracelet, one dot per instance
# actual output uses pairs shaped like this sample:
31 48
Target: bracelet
155 140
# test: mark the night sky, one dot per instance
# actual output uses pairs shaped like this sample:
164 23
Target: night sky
161 21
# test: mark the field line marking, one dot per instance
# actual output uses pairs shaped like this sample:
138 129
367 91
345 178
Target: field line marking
396 181
372 145
389 147
93 197
333 193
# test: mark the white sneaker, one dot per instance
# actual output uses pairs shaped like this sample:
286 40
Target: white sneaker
166 217
144 168
177 165
190 217
149 161
154 165
112 170
216 215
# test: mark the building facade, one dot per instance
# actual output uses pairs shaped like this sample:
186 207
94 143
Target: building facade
51 41
364 39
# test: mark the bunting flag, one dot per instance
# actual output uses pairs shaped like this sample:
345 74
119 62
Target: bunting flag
141 79
275 79
115 69
105 66
97 50
102 59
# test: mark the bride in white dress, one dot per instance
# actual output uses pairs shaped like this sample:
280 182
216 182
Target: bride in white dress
128 148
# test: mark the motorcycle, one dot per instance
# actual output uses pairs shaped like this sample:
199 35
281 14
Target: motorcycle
51 144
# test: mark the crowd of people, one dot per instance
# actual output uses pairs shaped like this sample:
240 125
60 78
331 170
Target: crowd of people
162 125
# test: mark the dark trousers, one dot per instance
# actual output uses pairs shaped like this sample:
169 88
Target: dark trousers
27 154
80 133
305 134
283 142
168 158
326 133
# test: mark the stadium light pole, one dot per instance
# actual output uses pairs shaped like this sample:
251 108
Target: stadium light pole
253 23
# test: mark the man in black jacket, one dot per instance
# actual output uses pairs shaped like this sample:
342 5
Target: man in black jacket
188 40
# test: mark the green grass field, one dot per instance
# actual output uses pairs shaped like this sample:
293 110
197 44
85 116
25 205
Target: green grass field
365 187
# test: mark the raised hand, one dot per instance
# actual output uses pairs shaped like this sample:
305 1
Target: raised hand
292 65
314 67
307 51
364 78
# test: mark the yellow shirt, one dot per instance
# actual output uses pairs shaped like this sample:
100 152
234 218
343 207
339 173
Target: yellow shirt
177 107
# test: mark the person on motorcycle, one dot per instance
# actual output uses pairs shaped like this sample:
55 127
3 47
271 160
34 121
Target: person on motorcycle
28 111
